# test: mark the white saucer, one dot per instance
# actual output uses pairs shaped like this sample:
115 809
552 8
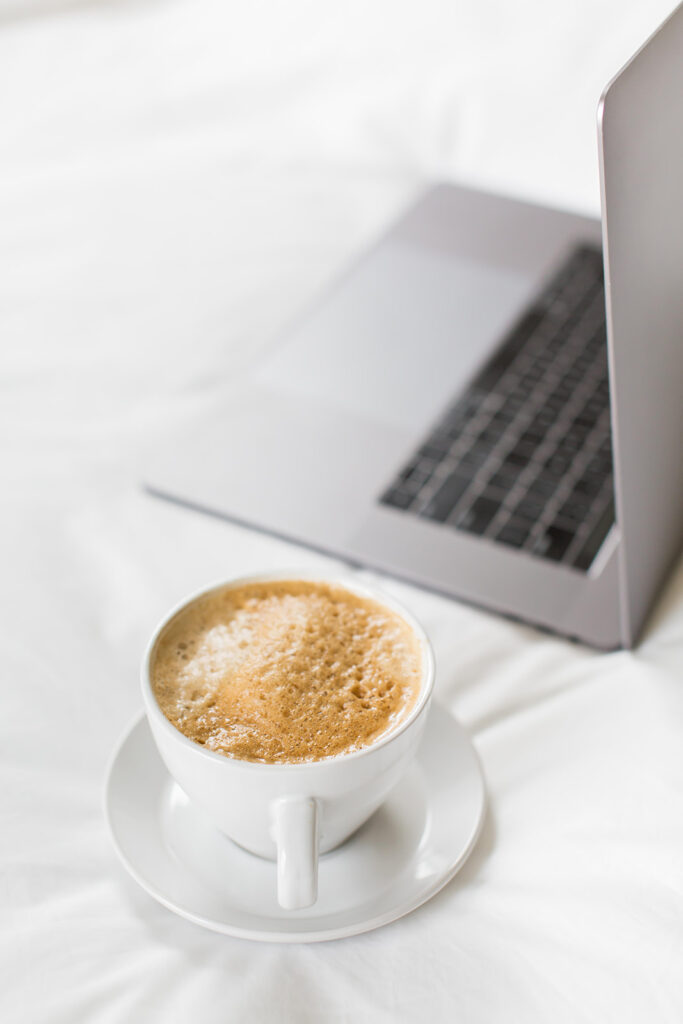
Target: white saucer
408 850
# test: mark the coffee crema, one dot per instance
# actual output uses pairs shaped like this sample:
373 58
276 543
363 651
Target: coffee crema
286 671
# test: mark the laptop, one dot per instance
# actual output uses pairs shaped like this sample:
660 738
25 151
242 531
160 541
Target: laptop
490 402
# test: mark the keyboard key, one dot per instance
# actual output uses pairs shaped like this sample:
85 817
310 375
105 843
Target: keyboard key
532 437
543 420
573 513
415 480
435 450
513 403
446 498
463 412
533 375
514 532
557 464
519 457
504 478
529 509
589 485
472 460
553 542
412 469
477 517
493 494
600 465
542 487
398 499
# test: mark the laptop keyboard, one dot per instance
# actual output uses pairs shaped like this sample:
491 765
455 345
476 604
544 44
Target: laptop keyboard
524 455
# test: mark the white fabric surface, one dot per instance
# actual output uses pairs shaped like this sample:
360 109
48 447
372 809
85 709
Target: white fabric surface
176 179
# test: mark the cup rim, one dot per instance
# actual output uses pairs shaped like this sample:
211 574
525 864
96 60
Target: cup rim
342 579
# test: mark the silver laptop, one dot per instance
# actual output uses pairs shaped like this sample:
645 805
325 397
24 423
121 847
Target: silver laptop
490 403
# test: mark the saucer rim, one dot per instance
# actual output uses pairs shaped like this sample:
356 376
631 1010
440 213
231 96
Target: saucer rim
358 927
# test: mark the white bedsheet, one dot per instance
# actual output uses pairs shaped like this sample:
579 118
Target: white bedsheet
176 179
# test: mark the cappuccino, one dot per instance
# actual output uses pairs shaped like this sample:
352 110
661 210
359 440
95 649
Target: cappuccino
286 671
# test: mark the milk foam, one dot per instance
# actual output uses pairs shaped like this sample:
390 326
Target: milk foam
286 671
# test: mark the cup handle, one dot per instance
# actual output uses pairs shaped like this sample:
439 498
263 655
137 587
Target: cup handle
294 822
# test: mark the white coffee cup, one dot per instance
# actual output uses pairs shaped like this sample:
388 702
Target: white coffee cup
291 812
